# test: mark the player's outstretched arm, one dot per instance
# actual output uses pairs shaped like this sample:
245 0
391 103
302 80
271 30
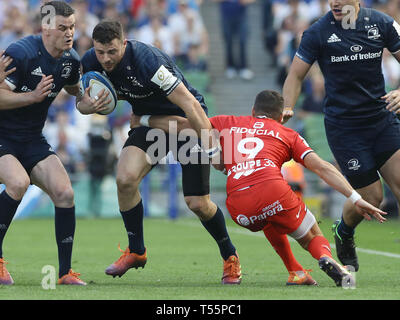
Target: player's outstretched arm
4 63
392 98
327 172
292 86
13 100
164 123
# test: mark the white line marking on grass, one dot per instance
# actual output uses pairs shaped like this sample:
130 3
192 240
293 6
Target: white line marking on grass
261 235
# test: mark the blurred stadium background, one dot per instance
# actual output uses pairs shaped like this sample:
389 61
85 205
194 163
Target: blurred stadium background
191 32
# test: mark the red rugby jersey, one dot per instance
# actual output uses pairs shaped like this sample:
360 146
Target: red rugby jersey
254 149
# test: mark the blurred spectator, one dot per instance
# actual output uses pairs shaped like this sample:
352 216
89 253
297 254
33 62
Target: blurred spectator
157 34
83 44
62 136
188 33
14 22
85 20
235 26
390 70
100 160
315 95
195 61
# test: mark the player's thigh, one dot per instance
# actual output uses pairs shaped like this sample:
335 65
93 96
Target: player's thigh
50 175
353 151
307 229
311 234
13 176
391 173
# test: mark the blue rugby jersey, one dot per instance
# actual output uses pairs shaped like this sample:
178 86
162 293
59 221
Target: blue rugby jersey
350 60
144 77
32 62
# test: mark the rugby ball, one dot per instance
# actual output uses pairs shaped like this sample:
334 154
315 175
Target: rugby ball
98 82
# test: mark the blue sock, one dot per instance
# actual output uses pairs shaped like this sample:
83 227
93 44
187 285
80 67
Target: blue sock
217 228
344 231
8 207
133 220
64 221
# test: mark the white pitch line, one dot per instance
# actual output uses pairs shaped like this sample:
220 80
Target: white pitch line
261 235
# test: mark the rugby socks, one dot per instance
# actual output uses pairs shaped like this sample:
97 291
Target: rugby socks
64 220
217 228
133 220
281 245
344 231
318 247
8 207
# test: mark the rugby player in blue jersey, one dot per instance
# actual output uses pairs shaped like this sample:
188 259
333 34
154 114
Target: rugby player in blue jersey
152 83
43 65
362 129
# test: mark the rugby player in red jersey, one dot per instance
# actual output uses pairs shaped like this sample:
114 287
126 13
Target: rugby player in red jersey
254 149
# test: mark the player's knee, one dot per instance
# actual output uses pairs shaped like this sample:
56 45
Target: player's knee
199 205
128 183
64 195
17 187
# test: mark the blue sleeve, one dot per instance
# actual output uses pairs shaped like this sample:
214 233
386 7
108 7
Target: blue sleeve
392 35
309 49
160 74
20 62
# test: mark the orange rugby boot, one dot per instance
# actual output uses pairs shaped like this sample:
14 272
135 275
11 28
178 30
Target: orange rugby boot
71 278
5 277
300 278
232 271
125 262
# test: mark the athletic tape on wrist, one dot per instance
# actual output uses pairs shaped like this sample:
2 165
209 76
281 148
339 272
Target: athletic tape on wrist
144 120
355 196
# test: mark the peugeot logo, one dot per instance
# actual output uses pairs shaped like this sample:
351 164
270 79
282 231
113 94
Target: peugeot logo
242 220
356 48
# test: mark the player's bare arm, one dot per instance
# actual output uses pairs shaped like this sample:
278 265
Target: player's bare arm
163 123
4 63
13 100
392 98
188 103
292 86
327 172
198 119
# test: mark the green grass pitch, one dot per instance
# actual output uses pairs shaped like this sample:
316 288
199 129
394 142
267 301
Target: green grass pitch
184 263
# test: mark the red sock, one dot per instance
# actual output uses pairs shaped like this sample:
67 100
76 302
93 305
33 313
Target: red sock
281 245
319 246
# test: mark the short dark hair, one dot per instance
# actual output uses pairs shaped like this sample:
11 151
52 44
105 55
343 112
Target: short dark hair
61 9
269 103
108 30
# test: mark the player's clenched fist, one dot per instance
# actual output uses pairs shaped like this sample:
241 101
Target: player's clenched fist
4 63
287 114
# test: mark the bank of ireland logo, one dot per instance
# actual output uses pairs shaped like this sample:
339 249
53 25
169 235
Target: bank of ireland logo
353 164
243 220
356 48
